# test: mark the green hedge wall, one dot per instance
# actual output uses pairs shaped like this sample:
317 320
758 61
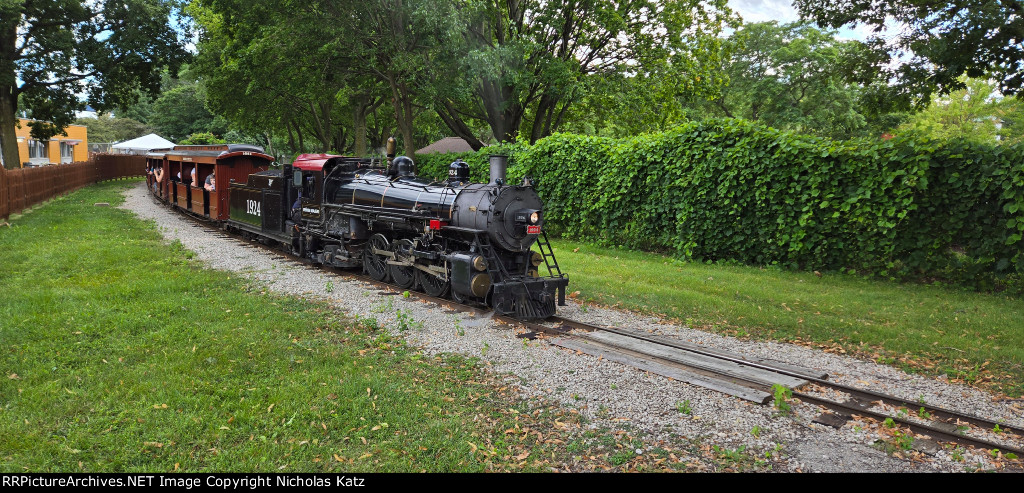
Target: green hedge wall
733 190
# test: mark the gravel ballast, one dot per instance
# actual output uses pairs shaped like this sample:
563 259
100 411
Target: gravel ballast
614 396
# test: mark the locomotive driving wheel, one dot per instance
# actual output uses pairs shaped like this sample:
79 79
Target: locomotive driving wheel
432 285
403 275
376 263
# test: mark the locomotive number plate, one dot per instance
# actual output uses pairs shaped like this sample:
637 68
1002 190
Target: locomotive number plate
533 230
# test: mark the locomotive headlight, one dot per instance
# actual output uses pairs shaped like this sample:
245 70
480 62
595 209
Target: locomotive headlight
528 216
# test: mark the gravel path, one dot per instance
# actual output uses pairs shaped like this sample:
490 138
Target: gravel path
616 397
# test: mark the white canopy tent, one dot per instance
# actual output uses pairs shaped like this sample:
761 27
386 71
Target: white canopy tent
142 145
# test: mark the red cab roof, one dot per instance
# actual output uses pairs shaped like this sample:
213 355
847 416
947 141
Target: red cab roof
313 162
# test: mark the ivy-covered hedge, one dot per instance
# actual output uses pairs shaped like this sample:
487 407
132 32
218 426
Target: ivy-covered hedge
733 190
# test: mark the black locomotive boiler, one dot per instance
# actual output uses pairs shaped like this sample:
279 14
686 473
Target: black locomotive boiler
471 241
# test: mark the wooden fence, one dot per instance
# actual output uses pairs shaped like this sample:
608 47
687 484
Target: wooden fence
23 188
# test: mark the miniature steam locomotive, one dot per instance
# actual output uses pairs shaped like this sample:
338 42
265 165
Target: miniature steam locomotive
470 241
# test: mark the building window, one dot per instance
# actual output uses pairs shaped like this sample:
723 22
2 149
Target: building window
38 149
66 150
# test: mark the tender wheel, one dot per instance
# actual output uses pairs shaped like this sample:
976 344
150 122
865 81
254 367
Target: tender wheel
403 275
432 285
375 264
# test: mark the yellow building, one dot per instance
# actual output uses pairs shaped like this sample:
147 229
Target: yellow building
70 147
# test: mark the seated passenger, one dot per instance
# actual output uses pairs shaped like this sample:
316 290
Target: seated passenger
194 182
211 183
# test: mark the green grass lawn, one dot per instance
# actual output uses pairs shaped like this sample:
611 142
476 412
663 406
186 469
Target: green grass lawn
975 337
121 354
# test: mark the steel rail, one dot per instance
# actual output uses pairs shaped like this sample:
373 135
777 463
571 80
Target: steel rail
869 395
918 428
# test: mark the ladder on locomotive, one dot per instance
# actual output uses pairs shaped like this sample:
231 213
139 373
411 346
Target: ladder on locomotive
549 255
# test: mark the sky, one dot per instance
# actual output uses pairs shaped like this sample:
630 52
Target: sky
783 11
765 10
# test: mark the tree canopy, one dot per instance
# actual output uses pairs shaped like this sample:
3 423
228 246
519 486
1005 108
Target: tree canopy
52 51
796 77
485 69
937 41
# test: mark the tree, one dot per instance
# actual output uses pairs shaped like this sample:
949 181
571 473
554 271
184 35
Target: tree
795 77
182 111
975 113
937 43
270 66
202 138
107 129
526 63
53 50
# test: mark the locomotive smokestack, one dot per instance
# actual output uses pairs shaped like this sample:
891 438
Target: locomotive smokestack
498 166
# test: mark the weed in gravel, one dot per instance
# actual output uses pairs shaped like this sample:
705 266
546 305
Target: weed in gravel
329 287
756 431
406 322
903 440
782 394
889 423
684 407
997 430
923 414
737 459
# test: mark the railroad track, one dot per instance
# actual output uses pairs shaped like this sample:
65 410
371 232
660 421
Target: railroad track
745 377
943 424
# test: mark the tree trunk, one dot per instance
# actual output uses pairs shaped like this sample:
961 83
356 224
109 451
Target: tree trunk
8 121
291 136
270 144
542 120
454 121
359 122
503 114
9 96
401 100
